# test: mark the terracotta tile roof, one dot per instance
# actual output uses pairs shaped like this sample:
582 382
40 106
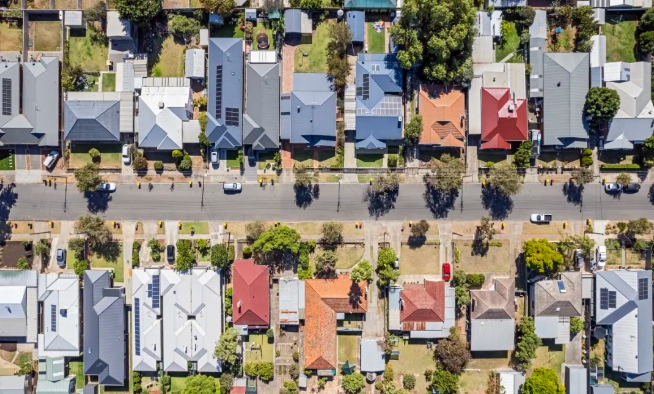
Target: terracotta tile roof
502 119
442 111
324 298
494 304
251 289
423 303
237 390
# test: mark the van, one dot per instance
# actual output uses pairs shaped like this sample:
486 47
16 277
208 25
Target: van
231 187
51 159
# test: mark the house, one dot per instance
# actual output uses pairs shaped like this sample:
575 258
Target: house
634 121
19 309
164 115
146 319
576 379
261 117
59 296
371 5
537 46
489 23
378 101
105 347
553 303
225 101
373 358
615 5
566 82
38 122
507 3
597 60
356 21
624 308
194 64
16 384
297 23
327 301
117 28
601 389
251 294
52 377
492 311
443 111
291 301
503 118
308 113
511 381
423 310
92 117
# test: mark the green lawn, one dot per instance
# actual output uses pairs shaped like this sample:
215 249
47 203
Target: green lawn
620 39
111 155
549 357
347 348
415 358
315 61
200 227
177 383
303 157
261 28
227 30
509 43
263 351
110 257
77 369
376 41
86 54
171 58
370 160
326 158
232 159
7 160
264 158
109 82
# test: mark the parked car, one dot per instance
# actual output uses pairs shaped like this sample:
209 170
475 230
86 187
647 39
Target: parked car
51 159
127 157
61 258
231 187
600 256
214 156
447 272
170 253
631 188
612 187
107 187
251 157
541 218
579 258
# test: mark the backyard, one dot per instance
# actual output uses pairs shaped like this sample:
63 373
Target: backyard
111 156
7 162
509 43
258 348
620 32
85 53
549 357
475 379
314 61
12 37
563 41
496 258
170 61
370 160
45 36
108 82
77 368
347 348
227 30
376 41
414 359
420 259
260 28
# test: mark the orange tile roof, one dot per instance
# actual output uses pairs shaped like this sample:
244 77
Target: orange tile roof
442 111
324 298
423 302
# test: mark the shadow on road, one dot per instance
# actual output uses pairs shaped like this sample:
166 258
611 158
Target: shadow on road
574 193
304 196
650 194
97 201
439 203
379 204
497 204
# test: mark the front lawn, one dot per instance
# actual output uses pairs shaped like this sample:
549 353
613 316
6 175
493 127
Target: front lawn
621 39
12 37
109 256
495 259
265 158
7 162
171 57
326 158
423 259
109 82
348 255
347 348
47 36
370 160
263 349
232 159
200 227
303 157
85 53
376 41
315 61
177 383
509 43
111 155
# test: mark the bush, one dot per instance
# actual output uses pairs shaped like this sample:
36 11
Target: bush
622 226
136 248
22 264
409 382
612 244
185 165
475 280
158 166
620 167
140 164
247 252
178 154
251 369
95 154
587 152
296 356
266 371
270 333
586 161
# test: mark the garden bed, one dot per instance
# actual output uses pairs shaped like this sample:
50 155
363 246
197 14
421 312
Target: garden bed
11 251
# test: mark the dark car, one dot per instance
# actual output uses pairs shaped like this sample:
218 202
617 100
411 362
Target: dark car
631 188
170 253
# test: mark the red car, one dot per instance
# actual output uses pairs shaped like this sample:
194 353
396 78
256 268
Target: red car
447 273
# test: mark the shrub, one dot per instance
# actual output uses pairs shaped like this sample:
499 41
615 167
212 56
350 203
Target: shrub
296 356
612 244
136 248
266 371
140 164
388 372
294 371
251 369
475 280
409 382
22 264
620 166
178 154
586 161
185 165
158 166
247 252
576 325
622 226
587 152
95 154
27 245
270 333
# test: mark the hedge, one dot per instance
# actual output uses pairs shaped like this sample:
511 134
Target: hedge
620 166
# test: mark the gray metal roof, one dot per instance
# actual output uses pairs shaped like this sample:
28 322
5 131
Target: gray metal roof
194 66
19 304
64 386
162 113
511 381
538 28
117 28
10 74
291 301
92 121
356 21
373 358
631 319
297 22
104 329
566 84
59 294
14 384
146 340
52 368
489 23
261 118
536 51
228 54
507 3
602 389
501 330
576 379
310 111
394 308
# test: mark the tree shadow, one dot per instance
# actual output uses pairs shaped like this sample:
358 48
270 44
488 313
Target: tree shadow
380 204
97 201
8 199
573 192
304 196
479 248
109 251
355 296
438 202
416 241
497 204
650 194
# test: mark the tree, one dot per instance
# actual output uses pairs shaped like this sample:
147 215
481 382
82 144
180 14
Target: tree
485 230
177 154
138 11
386 271
648 151
226 347
602 104
494 386
586 158
623 179
542 256
444 381
42 248
303 177
543 381
251 369
505 179
326 264
576 325
185 164
638 227
447 173
526 15
440 33
340 38
409 382
291 386
226 383
353 383
266 371
184 27
386 183
253 230
95 154
582 175
452 354
294 371
222 7
646 41
185 259
413 130
155 249
140 163
276 241
362 271
528 342
200 384
462 296
96 13
475 280
332 233
310 4
87 177
97 233
420 229
78 247
25 368
219 256
646 21
80 266
523 155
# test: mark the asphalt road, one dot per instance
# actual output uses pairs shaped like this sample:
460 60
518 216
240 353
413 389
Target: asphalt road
38 202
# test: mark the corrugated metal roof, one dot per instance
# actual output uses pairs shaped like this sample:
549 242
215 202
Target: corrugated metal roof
350 107
64 386
146 340
289 300
536 50
261 118
40 103
501 330
59 294
73 18
598 52
394 308
356 21
116 27
576 379
511 381
194 63
125 77
14 384
312 110
126 112
538 28
297 22
373 358
372 4
483 50
92 121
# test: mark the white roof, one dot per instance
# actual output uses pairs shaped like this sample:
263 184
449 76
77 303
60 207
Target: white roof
19 304
73 18
204 37
598 52
194 63
148 317
59 294
263 57
163 108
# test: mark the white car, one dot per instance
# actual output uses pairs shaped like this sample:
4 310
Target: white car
229 187
127 158
600 256
579 258
214 156
107 187
612 187
51 159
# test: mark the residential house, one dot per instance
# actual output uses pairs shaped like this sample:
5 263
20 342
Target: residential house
537 46
308 113
511 381
378 101
443 111
489 23
492 315
19 309
623 306
146 319
92 117
634 121
225 101
553 303
38 122
251 295
576 379
601 389
16 384
194 63
507 3
613 5
261 117
297 23
52 377
597 60
373 357
118 28
503 118
371 5
356 21
423 310
327 301
105 347
566 83
59 296
483 50
291 301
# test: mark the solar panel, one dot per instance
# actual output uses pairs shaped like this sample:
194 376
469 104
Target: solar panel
612 302
366 87
232 116
6 96
155 291
219 91
53 318
137 327
604 298
643 289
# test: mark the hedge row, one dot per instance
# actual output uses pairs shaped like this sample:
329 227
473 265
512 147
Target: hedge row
621 166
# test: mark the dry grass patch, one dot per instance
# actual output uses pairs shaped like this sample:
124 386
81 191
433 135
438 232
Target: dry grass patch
46 36
550 228
415 358
304 228
549 357
496 259
420 260
632 258
348 255
12 37
470 228
65 4
115 227
21 227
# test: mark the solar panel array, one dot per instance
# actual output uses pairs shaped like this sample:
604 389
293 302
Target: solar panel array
53 318
604 298
232 116
149 290
643 290
219 91
137 327
391 105
6 96
366 87
612 299
155 291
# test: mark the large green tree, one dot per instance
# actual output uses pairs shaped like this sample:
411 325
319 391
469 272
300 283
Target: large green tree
353 383
186 28
88 178
413 130
226 347
542 256
385 269
444 381
522 155
648 150
447 173
452 353
602 104
439 33
277 240
200 384
338 68
543 381
646 41
505 179
362 271
647 21
528 342
97 233
138 11
222 7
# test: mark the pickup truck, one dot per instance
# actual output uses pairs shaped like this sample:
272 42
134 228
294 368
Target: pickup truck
541 218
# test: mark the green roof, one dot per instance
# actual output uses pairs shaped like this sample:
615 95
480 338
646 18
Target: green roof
371 4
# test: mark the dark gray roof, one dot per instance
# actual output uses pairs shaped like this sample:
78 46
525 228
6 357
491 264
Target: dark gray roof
297 22
261 118
312 111
11 71
228 53
104 329
92 121
356 20
550 301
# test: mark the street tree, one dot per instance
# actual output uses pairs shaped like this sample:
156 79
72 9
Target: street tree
87 177
623 179
528 342
183 26
413 130
253 230
582 175
362 271
42 248
80 266
646 41
200 384
332 233
542 256
139 12
386 271
386 183
304 178
485 230
523 155
648 151
447 173
420 229
353 383
219 256
505 179
222 7
326 264
647 21
543 381
601 104
638 227
226 347
444 381
452 353
338 68
276 241
97 233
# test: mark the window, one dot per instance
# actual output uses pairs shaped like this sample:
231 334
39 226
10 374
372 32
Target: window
232 116
643 289
6 96
219 91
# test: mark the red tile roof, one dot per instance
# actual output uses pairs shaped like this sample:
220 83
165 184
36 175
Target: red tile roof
324 298
502 119
237 390
423 303
251 289
443 110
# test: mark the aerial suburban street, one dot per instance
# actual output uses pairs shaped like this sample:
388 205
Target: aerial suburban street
38 202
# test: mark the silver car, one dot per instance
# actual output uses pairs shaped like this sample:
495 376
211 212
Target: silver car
107 187
127 158
232 187
61 258
214 156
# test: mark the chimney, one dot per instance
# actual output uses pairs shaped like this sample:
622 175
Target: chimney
511 108
160 104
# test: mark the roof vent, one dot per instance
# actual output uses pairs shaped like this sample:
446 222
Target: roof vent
511 108
238 304
160 104
298 109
